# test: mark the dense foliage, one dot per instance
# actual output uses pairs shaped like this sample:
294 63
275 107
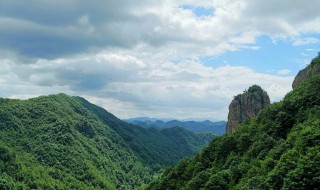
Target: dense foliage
62 142
218 128
255 89
280 149
314 62
156 148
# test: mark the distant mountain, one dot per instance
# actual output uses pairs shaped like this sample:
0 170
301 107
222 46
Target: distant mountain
63 142
218 127
146 119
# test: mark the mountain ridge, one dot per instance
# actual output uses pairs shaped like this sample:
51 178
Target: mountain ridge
65 142
217 128
313 69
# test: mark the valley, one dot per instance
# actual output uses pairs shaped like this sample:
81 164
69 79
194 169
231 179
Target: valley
63 142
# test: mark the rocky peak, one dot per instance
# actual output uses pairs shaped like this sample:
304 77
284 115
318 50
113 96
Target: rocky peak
246 106
311 70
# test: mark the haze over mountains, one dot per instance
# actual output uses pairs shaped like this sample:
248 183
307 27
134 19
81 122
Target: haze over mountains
217 128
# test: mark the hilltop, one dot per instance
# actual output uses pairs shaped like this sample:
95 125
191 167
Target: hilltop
313 69
64 142
246 106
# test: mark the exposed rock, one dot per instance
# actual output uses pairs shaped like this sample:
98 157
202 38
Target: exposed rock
311 70
246 106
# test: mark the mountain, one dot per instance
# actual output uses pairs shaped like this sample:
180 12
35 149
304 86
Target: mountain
279 149
246 106
193 126
313 69
63 142
152 146
130 120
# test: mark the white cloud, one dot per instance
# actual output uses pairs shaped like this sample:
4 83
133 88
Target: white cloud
126 85
72 27
283 72
142 57
305 41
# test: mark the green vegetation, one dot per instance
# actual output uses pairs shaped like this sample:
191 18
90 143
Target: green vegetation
62 142
155 148
279 149
314 62
207 137
255 88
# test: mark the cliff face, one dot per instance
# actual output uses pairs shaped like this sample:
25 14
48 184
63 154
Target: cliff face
312 70
246 106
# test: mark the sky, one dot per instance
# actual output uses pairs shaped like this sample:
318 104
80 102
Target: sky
163 59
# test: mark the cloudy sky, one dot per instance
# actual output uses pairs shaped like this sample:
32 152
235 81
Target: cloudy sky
165 59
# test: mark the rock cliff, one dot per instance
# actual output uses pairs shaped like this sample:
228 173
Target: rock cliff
246 106
311 70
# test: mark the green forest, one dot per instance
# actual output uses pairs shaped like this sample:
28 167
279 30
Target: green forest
279 149
63 142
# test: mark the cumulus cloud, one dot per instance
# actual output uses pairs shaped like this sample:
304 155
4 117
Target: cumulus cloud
127 86
142 57
51 29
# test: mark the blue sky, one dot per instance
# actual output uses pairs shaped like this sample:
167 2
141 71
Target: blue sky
161 59
269 57
199 11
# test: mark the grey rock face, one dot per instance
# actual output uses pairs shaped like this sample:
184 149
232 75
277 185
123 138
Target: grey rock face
246 106
311 70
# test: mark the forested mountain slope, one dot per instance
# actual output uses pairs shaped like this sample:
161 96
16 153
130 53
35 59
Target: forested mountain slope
279 149
63 142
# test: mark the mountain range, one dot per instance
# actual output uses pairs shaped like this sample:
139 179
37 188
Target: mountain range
64 142
218 127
